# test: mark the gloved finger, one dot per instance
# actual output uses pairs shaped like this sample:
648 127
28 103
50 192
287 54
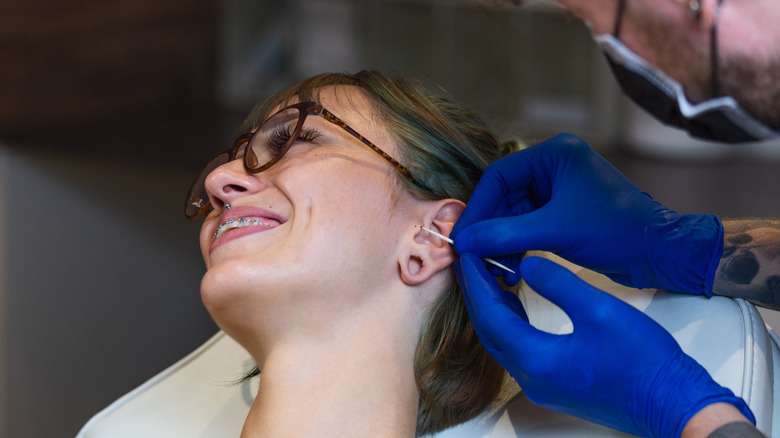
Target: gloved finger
494 270
512 279
489 195
467 286
511 261
495 315
562 287
518 202
513 301
510 179
497 237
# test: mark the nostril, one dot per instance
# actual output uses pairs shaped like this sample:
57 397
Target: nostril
231 188
218 201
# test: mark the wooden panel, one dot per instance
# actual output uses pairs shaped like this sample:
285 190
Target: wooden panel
87 61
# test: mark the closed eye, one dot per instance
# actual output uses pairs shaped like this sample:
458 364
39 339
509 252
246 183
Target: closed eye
279 137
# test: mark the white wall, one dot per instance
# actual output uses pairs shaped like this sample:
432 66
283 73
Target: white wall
99 285
3 293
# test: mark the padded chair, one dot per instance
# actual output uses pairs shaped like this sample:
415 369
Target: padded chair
198 396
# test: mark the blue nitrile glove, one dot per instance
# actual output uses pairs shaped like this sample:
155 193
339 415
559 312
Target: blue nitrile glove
561 196
618 368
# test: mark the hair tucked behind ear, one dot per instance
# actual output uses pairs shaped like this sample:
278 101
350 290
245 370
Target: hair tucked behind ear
446 147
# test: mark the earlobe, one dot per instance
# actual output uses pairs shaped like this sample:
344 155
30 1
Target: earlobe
426 254
412 270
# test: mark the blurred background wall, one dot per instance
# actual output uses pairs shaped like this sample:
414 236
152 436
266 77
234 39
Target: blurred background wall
108 109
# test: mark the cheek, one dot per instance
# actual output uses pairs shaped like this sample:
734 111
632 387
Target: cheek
349 229
363 209
346 187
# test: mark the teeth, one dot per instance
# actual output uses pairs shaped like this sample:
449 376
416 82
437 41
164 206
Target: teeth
239 223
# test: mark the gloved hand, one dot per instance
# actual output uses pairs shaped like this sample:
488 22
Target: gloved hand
561 196
618 368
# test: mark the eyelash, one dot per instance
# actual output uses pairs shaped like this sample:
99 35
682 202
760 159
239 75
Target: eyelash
280 136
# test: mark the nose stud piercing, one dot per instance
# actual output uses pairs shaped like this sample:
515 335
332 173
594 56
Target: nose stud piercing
227 207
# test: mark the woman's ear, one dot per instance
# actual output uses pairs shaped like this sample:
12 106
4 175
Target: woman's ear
424 254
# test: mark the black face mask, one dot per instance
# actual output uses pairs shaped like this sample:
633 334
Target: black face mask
718 119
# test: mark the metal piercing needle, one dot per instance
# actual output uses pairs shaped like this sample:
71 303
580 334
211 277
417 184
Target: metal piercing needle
452 242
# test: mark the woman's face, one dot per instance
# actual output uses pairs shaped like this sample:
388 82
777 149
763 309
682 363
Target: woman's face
327 223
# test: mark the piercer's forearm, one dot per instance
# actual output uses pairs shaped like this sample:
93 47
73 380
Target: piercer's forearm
750 265
720 420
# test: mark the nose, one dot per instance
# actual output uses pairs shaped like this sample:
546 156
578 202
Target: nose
230 182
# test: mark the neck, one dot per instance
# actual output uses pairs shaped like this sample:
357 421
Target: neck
357 381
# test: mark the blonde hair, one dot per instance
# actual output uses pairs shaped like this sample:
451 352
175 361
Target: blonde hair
446 147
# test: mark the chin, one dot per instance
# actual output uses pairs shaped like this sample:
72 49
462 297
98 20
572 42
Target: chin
225 285
228 305
239 291
213 293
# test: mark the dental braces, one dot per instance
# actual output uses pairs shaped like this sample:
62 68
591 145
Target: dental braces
238 223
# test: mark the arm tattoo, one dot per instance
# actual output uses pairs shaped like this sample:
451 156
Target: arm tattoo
750 265
736 430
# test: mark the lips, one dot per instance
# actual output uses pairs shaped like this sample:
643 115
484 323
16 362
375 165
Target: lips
232 224
240 221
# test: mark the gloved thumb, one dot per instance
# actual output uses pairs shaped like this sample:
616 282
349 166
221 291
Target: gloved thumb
512 234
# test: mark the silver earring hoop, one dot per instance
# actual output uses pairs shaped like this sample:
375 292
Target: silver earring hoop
227 207
694 10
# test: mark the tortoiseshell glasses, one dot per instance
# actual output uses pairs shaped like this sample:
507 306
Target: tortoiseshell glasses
268 144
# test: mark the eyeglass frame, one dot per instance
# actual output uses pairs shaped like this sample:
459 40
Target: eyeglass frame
304 109
696 16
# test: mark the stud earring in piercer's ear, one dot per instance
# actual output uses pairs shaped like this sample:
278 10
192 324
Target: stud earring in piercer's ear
694 10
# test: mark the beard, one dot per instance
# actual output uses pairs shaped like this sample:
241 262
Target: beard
751 80
754 84
671 49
